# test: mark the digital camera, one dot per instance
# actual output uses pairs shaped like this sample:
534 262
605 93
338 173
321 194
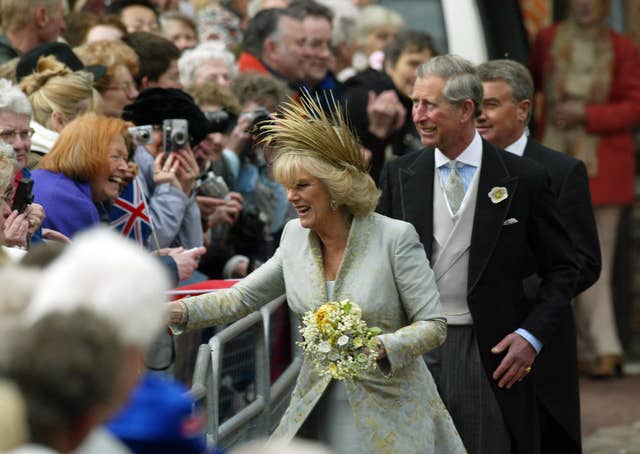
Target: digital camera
213 186
175 134
220 120
256 117
142 135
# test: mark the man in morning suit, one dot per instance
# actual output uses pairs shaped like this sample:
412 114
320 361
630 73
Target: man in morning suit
487 219
506 110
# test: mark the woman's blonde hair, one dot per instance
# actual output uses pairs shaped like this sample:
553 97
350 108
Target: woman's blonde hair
81 151
111 54
53 87
308 138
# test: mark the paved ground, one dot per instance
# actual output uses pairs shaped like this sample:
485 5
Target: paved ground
611 413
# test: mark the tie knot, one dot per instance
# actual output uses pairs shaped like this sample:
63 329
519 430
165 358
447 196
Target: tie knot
452 164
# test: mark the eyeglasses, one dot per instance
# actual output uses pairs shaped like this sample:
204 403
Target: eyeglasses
8 135
124 86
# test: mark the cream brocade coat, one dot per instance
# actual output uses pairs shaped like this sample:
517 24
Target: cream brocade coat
385 270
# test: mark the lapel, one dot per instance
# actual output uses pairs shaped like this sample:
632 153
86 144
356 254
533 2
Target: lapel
489 216
530 150
416 192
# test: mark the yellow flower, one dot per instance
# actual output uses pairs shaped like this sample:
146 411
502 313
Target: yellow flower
333 368
498 194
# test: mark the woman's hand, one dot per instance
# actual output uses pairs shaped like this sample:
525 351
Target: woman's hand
35 216
385 113
16 228
225 214
164 170
208 205
382 352
54 235
187 170
178 313
239 136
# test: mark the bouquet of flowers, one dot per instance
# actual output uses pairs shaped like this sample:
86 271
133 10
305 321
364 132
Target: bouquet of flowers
338 341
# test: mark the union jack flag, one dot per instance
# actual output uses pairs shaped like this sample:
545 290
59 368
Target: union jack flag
129 214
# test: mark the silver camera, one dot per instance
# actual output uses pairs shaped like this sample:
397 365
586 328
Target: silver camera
175 132
213 186
142 135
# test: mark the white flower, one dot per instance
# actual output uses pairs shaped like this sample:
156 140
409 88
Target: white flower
324 347
498 194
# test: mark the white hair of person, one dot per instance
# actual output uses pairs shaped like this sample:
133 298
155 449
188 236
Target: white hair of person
192 59
12 99
345 21
295 446
111 275
374 17
19 285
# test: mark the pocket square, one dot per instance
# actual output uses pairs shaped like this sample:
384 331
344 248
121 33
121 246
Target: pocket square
510 221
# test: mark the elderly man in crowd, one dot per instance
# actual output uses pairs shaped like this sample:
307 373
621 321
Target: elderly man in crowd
28 24
15 115
482 237
506 109
274 43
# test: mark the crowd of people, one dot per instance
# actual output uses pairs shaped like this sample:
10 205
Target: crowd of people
323 150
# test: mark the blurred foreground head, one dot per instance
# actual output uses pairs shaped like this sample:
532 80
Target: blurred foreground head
112 276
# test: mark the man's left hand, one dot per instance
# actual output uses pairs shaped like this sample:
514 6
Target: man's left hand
517 362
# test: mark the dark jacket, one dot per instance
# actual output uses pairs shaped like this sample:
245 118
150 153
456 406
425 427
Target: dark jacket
499 261
403 141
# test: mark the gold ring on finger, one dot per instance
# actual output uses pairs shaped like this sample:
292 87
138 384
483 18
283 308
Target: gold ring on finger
527 369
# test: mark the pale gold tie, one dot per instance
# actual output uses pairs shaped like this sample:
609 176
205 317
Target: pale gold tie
453 188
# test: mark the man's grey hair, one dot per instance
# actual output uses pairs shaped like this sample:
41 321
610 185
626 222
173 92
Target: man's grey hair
192 59
266 24
13 100
514 74
345 21
461 80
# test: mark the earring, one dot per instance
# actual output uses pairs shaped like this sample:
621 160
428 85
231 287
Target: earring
333 205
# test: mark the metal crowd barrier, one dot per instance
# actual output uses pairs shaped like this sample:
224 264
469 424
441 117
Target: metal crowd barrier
259 417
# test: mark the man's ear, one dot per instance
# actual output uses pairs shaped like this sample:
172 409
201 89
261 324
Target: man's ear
144 83
468 109
268 49
524 107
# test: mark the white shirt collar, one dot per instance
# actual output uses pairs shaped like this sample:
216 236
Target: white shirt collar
472 155
519 145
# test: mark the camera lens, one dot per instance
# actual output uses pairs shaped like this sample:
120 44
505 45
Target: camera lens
179 138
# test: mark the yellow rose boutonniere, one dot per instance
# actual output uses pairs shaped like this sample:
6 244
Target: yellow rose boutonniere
498 194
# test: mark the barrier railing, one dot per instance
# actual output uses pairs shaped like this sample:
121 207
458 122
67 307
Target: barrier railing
259 417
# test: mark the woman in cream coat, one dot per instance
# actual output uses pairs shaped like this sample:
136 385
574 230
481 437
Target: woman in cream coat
338 249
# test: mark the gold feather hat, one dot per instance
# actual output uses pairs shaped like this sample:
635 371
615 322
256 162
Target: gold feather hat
304 128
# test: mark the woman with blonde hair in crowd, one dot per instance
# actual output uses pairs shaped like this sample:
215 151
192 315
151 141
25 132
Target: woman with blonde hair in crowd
338 249
117 87
57 96
85 167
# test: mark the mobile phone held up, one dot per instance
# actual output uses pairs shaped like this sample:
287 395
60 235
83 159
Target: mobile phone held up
24 195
